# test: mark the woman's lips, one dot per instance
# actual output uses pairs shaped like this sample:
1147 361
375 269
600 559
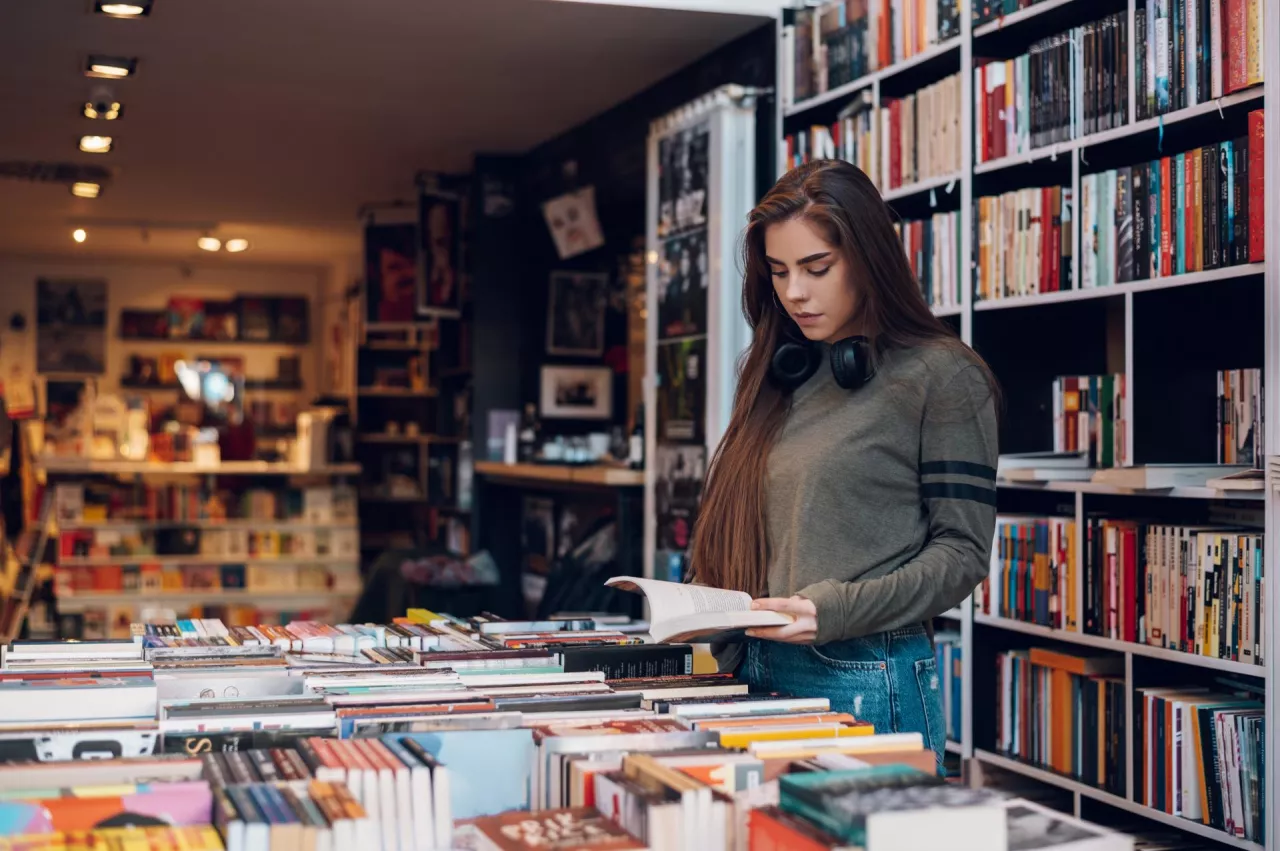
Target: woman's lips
807 318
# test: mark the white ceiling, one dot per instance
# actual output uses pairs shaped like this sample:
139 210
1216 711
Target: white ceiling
277 119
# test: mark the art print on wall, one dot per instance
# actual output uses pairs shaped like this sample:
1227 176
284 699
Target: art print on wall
441 250
682 390
573 223
576 392
682 182
71 326
682 286
677 489
391 272
575 314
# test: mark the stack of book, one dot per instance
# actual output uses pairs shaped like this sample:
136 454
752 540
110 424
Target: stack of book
1055 92
1240 427
1024 242
1194 51
1033 571
852 138
919 135
1063 712
932 249
436 732
1088 416
840 41
1190 212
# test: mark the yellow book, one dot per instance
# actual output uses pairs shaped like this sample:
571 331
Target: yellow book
421 616
744 738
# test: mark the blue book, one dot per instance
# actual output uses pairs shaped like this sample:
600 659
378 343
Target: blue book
1153 216
1180 217
489 770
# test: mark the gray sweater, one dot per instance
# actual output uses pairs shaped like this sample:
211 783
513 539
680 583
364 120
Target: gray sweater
880 503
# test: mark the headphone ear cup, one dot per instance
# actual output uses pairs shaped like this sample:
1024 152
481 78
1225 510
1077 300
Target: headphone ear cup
793 364
851 362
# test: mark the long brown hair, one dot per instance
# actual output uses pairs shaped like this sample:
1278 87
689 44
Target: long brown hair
730 546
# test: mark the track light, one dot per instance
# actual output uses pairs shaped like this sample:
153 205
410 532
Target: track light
79 235
131 9
95 144
110 67
209 243
86 190
235 246
102 110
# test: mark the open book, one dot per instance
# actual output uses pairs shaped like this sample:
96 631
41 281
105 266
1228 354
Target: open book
683 613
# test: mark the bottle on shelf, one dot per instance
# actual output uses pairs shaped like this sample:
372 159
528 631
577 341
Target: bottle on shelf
529 430
635 454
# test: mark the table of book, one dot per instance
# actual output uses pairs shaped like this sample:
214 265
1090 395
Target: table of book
434 732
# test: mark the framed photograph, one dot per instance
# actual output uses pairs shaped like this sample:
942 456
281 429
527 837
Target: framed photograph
577 392
391 272
71 326
441 237
575 314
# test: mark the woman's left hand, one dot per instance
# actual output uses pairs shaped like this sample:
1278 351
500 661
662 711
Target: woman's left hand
803 630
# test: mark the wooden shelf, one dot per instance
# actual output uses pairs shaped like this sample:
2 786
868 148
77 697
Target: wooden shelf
594 475
113 561
397 392
405 439
269 525
79 602
946 182
1052 778
87 466
194 341
1225 666
250 384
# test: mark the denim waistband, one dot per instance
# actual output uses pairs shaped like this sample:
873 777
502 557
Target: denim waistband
907 631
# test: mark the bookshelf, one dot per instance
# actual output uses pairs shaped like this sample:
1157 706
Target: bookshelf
1124 328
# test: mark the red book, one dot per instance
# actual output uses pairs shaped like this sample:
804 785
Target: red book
1257 183
895 144
1235 60
1166 207
1055 242
1129 603
1189 208
1046 230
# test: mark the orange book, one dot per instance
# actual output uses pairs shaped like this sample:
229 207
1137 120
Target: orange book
1082 665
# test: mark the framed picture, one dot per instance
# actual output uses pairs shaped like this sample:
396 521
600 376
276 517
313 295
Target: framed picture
441 241
390 258
575 314
71 326
577 392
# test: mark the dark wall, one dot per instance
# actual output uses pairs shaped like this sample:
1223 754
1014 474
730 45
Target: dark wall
609 153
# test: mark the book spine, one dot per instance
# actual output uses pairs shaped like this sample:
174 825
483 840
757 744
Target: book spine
1257 182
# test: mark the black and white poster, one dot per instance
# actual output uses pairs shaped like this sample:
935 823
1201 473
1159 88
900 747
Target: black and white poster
682 286
682 390
71 326
575 314
677 490
440 250
682 184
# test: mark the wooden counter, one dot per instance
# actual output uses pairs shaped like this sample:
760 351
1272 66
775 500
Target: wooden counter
599 475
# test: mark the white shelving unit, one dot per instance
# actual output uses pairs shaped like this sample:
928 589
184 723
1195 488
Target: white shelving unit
973 41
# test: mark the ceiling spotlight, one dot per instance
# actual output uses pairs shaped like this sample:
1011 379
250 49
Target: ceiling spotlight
235 246
86 190
102 110
95 144
79 235
209 243
110 67
134 9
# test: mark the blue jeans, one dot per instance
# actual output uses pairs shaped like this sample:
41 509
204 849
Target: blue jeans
889 679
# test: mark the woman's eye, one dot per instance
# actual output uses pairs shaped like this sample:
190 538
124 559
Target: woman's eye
778 273
818 273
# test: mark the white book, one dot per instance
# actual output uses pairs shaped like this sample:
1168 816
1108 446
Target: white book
680 612
1161 476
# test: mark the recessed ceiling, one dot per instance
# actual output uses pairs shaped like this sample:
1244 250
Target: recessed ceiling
281 117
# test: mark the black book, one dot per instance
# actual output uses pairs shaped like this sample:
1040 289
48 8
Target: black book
1124 227
1122 62
1209 206
1091 74
630 662
1140 60
1240 200
1225 166
1171 45
1209 757
1138 190
1205 51
1089 730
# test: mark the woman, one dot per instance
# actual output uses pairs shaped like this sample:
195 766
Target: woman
854 487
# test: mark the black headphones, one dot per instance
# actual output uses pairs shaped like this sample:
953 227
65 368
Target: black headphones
795 363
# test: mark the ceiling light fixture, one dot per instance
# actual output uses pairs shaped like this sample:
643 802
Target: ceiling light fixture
110 67
79 235
235 246
86 190
95 144
135 9
102 111
209 243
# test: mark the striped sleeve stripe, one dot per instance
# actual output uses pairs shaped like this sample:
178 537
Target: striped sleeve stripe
951 490
963 468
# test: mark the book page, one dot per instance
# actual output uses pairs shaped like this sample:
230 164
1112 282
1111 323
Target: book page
675 599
